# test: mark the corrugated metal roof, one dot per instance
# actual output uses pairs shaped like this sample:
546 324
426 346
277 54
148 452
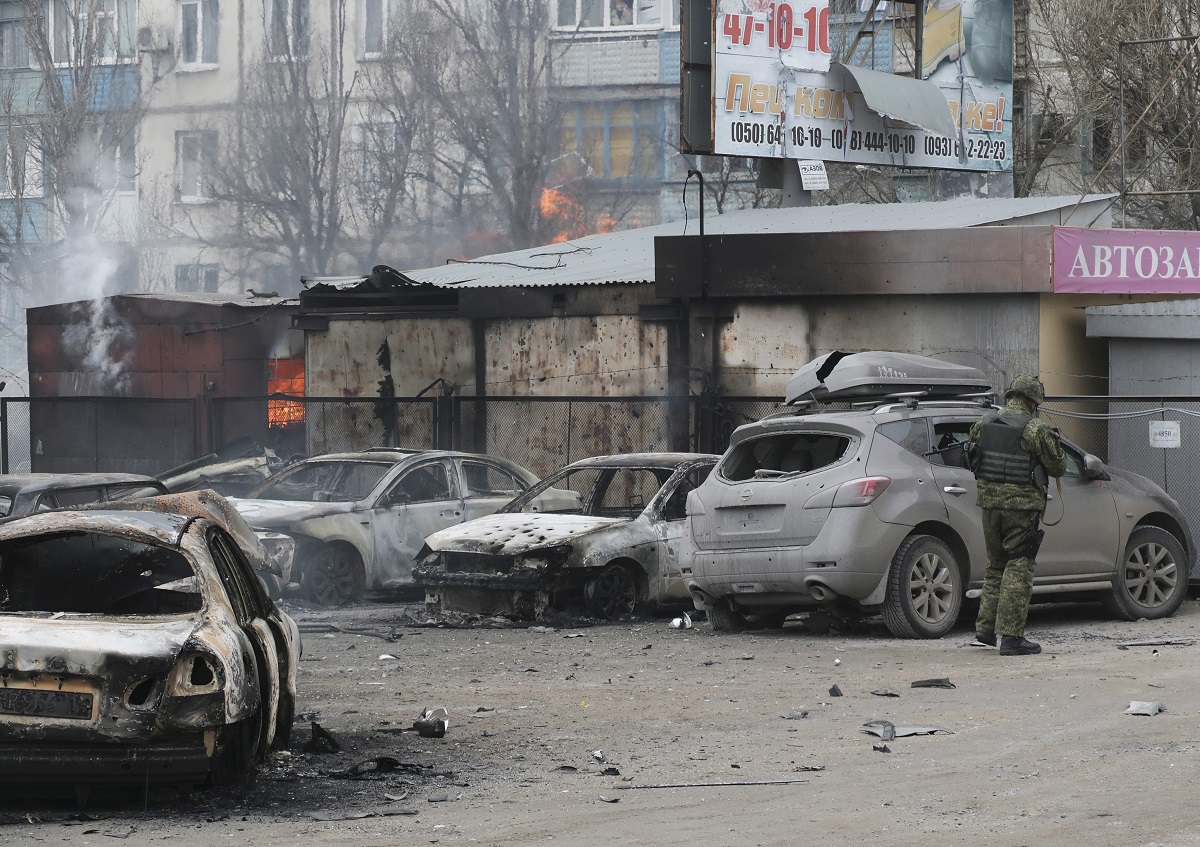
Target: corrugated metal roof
628 256
211 299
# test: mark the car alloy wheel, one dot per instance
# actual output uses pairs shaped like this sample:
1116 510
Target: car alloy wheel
1152 581
924 592
333 577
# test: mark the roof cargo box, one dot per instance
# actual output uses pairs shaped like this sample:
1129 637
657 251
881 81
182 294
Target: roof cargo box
878 375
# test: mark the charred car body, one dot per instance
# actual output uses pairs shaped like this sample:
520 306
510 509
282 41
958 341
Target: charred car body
601 533
871 510
270 553
138 647
359 519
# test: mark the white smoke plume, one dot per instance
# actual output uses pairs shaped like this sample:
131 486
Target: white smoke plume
99 338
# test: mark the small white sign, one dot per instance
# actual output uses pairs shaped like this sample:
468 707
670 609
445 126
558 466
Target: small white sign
813 176
1164 433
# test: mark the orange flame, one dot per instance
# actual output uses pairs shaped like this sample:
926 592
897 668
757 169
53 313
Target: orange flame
286 377
565 213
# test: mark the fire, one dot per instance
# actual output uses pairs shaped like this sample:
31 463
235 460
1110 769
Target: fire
570 220
287 377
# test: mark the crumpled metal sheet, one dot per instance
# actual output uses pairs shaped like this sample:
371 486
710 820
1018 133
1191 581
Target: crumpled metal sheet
1145 707
888 730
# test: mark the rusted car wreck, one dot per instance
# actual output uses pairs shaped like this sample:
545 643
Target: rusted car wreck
138 647
601 536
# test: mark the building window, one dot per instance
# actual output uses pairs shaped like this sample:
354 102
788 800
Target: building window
617 140
14 48
198 32
615 13
379 147
195 152
196 278
20 165
375 26
287 25
102 29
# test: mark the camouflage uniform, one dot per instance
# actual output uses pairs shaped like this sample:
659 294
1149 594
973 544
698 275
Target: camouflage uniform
1011 513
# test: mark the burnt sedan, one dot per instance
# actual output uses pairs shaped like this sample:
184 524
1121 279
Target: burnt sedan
359 519
138 647
601 534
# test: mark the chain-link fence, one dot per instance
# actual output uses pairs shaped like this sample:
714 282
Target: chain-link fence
125 434
542 433
1125 432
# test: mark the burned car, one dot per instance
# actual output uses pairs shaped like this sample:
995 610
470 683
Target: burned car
867 509
233 470
23 493
359 519
601 534
138 647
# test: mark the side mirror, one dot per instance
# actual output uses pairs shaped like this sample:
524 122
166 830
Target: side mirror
1093 468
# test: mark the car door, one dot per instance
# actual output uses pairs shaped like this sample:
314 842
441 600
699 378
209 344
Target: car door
956 485
422 499
249 607
1082 544
669 521
486 487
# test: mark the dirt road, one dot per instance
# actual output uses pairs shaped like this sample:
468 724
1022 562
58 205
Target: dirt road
562 735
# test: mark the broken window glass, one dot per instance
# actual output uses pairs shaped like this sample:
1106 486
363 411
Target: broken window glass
91 573
784 454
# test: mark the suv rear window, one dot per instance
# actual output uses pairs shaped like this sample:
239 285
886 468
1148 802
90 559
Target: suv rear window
785 453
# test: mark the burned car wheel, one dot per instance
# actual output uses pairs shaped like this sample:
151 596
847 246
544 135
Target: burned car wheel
333 576
238 750
725 618
1153 579
924 591
613 593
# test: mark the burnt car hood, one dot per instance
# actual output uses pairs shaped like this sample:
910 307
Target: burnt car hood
507 534
277 514
84 645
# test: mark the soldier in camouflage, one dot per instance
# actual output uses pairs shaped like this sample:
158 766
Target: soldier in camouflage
1014 456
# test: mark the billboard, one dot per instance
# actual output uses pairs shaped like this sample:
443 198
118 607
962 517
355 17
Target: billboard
777 93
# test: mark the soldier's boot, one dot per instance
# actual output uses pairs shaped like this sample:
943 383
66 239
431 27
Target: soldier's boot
1018 645
984 639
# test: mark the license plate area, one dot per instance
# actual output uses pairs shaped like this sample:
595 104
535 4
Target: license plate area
70 701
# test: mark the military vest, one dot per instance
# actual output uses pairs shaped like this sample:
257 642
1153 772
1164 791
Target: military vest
1002 458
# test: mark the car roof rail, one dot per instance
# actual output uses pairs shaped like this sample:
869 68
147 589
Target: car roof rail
966 401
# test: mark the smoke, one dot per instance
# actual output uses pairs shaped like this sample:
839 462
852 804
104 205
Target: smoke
98 339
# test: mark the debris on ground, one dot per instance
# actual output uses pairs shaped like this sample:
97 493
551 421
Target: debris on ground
835 691
1157 642
884 692
432 723
710 784
796 716
358 814
943 682
684 621
322 741
881 748
1145 707
888 730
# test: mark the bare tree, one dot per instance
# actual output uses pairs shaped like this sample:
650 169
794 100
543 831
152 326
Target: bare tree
1131 78
485 68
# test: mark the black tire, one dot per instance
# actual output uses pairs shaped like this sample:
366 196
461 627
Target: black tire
237 751
271 584
924 590
613 593
285 717
333 576
1152 580
772 619
725 618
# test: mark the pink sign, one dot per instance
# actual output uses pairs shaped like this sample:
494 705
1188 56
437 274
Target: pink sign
1126 261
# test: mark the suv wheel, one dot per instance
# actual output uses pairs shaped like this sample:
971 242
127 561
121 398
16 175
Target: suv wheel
724 618
1153 579
924 591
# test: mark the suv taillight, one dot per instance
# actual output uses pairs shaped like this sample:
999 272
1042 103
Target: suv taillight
860 492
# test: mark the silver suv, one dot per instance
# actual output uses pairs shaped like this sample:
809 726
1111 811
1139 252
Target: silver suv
869 509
